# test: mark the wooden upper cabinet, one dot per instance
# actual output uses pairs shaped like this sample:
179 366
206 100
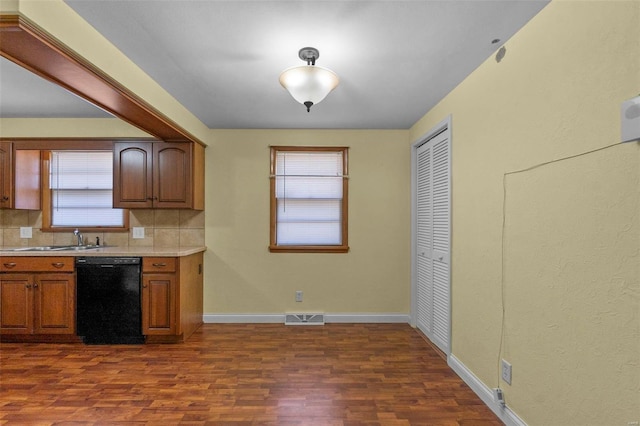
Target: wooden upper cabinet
6 174
19 178
172 177
158 175
133 175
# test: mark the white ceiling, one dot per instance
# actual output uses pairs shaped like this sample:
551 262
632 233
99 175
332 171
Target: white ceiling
222 59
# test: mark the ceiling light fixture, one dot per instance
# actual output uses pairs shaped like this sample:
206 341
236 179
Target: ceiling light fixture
309 84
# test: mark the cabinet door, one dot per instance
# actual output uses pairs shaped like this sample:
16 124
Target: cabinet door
6 170
16 303
54 304
133 175
173 176
27 179
158 304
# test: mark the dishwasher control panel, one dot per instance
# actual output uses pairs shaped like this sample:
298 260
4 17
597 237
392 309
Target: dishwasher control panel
96 260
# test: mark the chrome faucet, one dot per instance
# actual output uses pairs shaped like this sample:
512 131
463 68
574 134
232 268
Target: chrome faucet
78 234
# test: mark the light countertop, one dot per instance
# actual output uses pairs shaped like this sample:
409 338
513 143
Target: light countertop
109 251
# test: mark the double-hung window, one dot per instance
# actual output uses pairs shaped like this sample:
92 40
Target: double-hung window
80 191
309 199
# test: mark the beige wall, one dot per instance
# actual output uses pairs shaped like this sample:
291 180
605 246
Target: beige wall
242 277
68 127
572 228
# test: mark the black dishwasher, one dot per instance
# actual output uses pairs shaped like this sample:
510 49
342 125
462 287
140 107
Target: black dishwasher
108 300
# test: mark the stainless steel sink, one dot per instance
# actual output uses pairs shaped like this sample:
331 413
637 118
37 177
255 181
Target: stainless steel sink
87 247
56 248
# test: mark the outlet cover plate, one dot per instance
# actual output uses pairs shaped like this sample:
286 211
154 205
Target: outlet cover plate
138 232
630 118
506 372
26 232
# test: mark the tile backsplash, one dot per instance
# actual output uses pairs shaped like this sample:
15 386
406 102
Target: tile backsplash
162 228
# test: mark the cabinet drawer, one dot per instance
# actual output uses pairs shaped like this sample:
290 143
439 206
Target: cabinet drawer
158 264
37 264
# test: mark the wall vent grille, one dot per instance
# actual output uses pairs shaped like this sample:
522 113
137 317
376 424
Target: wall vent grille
304 319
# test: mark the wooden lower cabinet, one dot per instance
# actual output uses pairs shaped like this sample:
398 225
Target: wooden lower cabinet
158 299
38 298
37 303
16 304
171 297
54 304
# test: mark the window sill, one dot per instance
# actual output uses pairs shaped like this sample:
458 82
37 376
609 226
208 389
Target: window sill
308 249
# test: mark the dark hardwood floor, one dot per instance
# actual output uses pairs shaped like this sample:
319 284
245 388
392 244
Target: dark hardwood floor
337 374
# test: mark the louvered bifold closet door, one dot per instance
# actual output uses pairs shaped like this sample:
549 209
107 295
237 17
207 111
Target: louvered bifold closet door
441 241
433 239
424 240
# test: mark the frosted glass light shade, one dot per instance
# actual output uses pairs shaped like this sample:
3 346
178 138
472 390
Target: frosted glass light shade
309 83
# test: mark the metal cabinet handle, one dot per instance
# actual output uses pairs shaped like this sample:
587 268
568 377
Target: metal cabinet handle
10 265
144 286
35 285
57 264
28 286
159 265
5 198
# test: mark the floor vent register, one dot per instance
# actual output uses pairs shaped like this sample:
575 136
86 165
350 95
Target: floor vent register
304 319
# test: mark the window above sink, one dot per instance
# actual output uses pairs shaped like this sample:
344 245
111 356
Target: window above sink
78 191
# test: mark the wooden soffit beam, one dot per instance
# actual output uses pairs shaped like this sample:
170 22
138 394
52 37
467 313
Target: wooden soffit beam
27 45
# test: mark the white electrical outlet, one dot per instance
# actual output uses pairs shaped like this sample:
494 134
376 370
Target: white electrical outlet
26 232
299 296
138 232
506 372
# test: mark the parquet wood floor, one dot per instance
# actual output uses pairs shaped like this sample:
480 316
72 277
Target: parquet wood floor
241 374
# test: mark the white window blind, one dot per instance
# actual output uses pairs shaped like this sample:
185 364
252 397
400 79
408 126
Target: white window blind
81 184
309 198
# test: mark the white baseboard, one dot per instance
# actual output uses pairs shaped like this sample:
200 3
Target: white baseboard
243 318
328 318
367 318
485 393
